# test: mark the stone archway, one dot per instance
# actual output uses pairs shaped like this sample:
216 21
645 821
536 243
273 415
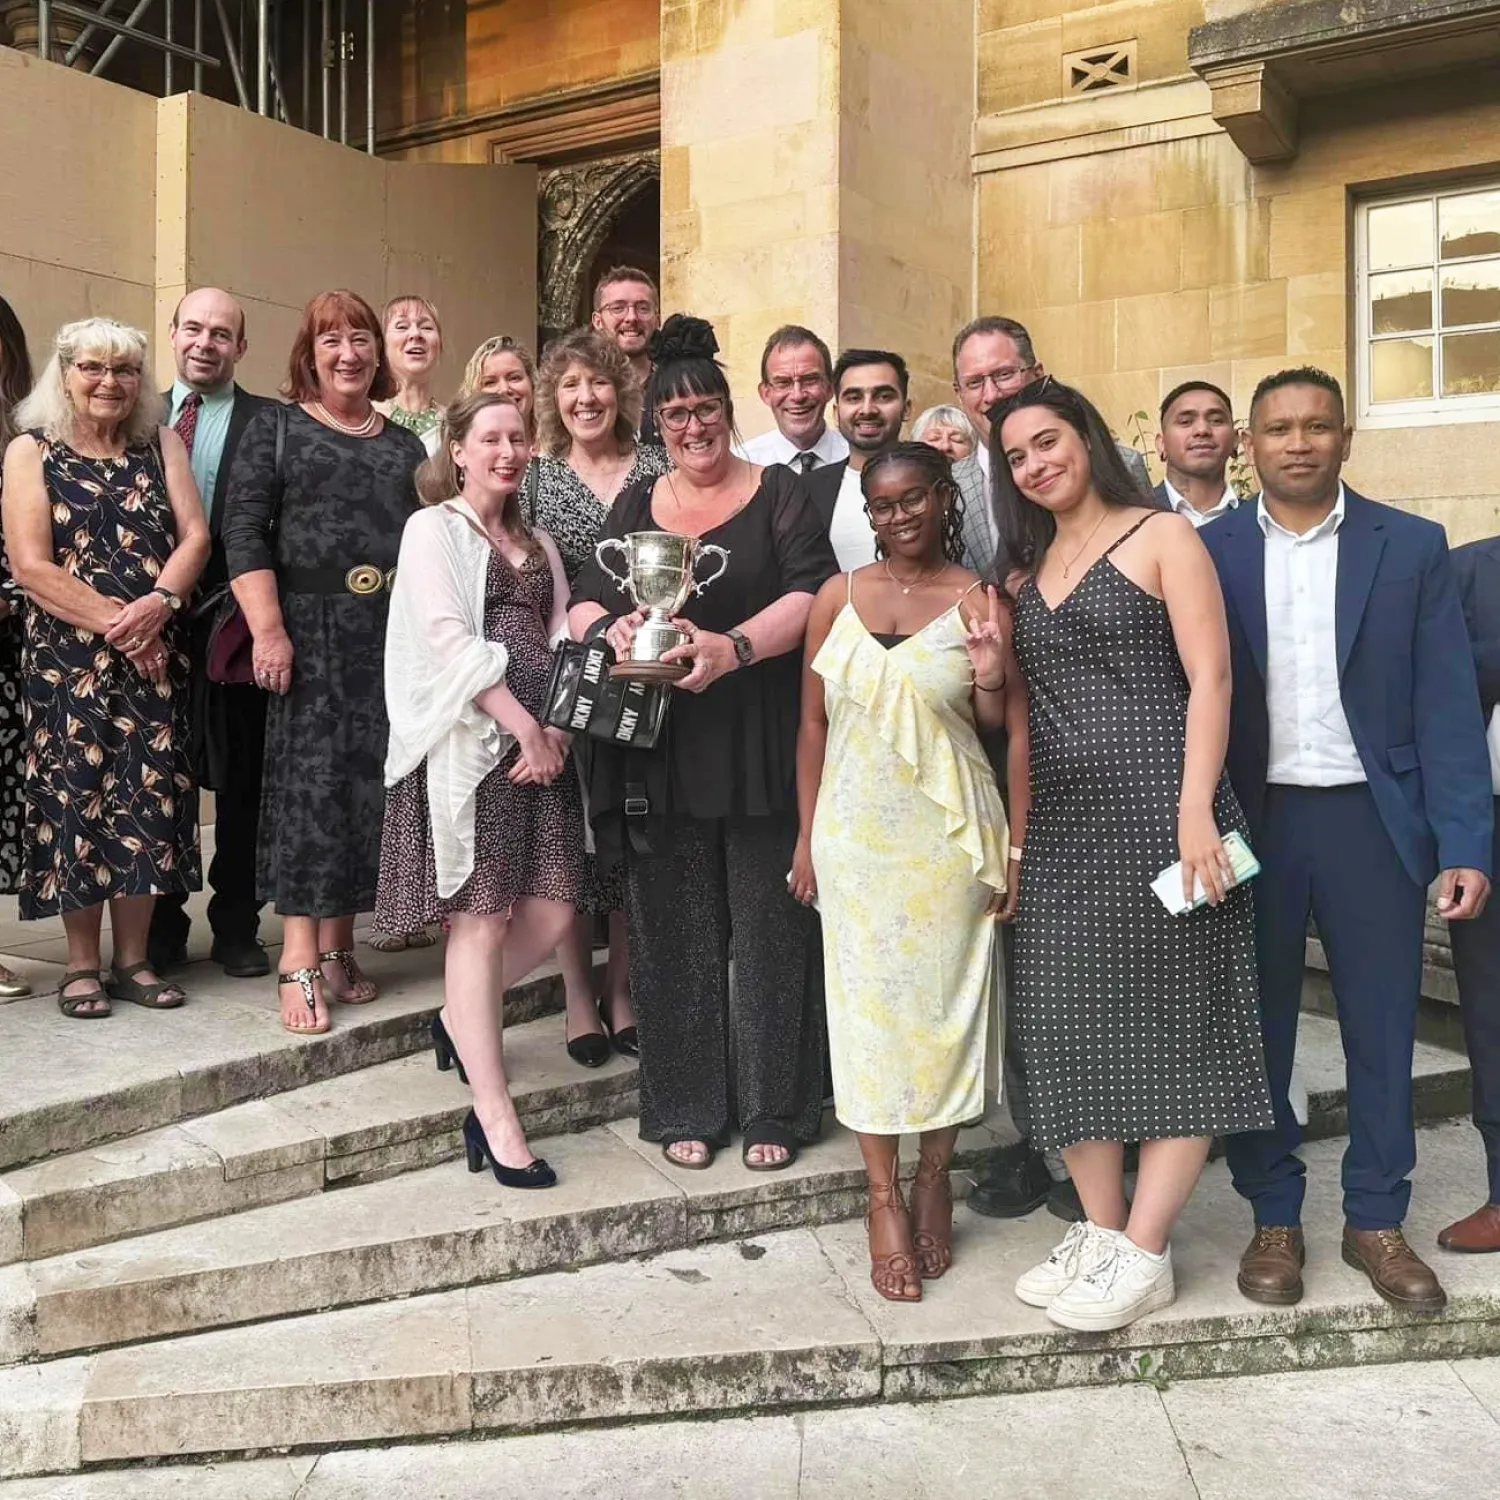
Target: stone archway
576 206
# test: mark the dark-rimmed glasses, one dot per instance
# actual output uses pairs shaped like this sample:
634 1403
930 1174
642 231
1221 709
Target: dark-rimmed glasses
912 503
676 418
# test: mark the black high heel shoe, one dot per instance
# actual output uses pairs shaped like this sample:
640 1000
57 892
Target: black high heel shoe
477 1149
444 1050
626 1040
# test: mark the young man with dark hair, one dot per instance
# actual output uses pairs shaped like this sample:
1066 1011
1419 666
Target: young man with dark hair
796 380
1196 442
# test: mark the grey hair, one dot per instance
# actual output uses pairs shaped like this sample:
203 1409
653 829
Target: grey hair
943 416
48 406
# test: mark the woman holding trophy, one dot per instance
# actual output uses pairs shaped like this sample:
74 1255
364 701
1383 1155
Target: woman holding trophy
705 823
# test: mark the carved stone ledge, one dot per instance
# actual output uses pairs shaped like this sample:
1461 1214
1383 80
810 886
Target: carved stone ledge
1258 113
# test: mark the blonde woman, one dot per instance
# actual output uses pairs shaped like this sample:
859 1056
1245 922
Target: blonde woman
413 347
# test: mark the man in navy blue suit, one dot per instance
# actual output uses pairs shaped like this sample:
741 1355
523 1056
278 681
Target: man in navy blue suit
1357 751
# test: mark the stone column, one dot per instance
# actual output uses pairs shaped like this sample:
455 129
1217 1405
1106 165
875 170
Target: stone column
816 170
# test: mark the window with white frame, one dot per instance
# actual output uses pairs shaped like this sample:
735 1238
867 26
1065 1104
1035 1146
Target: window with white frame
1428 277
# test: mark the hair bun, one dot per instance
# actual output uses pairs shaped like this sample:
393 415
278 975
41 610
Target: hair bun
683 337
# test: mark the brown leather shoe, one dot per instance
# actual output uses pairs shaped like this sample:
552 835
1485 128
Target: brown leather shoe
1271 1268
1479 1234
1394 1268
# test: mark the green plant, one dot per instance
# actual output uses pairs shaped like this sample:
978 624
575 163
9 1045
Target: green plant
1140 439
1149 1370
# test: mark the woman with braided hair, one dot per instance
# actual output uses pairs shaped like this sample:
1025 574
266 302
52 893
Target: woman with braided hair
903 844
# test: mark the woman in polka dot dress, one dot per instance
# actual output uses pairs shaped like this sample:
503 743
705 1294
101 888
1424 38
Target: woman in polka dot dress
1132 1024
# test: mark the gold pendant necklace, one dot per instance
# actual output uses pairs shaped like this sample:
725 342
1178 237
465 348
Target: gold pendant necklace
906 588
1067 566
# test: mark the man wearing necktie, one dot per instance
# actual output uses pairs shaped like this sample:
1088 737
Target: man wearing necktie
210 412
796 382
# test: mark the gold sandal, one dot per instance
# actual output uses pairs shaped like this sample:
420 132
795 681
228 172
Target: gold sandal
885 1197
305 978
934 1251
354 976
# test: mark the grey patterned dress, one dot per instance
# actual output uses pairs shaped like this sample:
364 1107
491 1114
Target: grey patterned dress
344 502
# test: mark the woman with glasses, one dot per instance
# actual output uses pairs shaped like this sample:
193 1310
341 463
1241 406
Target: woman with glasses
903 844
706 822
106 535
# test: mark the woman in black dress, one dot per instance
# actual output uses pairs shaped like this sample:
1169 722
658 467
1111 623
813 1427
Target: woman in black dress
706 863
1133 1024
588 412
311 544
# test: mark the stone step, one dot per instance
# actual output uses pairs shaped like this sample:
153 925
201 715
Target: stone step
782 1320
393 1117
68 1085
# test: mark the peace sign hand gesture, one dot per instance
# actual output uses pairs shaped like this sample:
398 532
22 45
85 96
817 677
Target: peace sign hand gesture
984 640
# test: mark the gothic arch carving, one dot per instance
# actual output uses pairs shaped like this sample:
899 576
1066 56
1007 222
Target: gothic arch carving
576 206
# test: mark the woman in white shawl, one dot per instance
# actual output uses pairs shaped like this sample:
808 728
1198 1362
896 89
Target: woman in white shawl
481 826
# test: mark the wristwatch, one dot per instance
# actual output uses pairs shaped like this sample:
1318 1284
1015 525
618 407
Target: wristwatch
172 601
744 649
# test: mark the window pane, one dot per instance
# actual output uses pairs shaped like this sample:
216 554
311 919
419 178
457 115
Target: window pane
1469 225
1471 293
1471 363
1400 234
1401 370
1401 302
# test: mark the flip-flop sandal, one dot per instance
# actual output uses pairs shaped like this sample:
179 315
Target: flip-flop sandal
123 985
768 1133
305 979
353 975
69 1004
688 1166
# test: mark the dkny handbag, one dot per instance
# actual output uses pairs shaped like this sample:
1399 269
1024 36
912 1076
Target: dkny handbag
582 698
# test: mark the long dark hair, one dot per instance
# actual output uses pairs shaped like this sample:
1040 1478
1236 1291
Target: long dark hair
15 369
1026 528
938 472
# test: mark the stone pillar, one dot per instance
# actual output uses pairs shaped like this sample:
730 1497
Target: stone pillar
816 170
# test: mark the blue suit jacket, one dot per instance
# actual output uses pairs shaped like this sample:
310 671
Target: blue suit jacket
1406 680
1477 568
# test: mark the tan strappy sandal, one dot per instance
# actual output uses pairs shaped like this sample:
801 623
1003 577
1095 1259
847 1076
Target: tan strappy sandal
885 1197
354 976
306 978
934 1249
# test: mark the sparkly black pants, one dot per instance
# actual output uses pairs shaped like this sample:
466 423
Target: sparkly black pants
710 1062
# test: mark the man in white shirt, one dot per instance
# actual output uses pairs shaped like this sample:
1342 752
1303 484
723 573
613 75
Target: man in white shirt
796 381
870 387
1196 442
1357 752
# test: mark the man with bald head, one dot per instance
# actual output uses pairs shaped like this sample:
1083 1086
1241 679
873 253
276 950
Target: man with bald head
210 412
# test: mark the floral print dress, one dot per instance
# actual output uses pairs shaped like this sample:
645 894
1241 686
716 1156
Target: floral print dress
111 808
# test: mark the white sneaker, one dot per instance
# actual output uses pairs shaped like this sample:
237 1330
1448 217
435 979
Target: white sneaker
1082 1245
1115 1289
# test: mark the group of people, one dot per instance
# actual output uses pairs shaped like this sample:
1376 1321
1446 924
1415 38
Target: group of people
953 708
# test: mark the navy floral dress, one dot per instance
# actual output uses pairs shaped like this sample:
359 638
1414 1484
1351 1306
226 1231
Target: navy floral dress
111 806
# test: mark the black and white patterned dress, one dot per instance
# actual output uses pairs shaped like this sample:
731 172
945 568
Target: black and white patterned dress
1132 1024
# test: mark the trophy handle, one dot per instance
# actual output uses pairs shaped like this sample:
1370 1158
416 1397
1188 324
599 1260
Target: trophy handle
706 550
617 544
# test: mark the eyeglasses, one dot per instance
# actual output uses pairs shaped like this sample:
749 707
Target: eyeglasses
676 418
912 503
976 383
93 369
619 309
809 383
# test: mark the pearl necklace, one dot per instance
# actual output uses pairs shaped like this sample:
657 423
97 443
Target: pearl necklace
922 577
364 429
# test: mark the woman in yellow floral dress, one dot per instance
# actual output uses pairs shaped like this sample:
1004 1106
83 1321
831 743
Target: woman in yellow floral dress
904 846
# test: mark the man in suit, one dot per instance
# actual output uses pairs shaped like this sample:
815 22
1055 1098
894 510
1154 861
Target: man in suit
210 412
796 380
1476 944
1196 442
993 358
869 395
1357 751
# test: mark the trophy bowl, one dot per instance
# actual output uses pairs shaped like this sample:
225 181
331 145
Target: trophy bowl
660 576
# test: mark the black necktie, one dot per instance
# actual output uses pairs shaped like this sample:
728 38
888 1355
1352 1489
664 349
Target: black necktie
805 461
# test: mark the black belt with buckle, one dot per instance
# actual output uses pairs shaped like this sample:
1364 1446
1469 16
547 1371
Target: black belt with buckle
362 579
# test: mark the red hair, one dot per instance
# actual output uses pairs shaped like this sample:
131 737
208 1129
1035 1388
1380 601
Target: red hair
327 311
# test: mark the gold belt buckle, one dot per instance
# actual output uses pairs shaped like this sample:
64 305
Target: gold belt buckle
364 578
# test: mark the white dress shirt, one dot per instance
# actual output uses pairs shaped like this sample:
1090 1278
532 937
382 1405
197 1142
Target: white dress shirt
1493 736
1185 507
849 532
771 448
1310 740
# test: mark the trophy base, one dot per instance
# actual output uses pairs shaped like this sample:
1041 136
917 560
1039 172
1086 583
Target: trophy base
650 671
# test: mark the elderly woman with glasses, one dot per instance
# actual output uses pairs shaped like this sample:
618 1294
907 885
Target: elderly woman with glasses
947 429
712 810
106 535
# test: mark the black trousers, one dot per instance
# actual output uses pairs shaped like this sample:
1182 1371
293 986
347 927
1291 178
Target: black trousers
1476 962
708 1065
238 733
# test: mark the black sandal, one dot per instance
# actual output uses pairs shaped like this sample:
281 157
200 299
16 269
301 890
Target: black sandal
768 1133
123 985
689 1166
69 1004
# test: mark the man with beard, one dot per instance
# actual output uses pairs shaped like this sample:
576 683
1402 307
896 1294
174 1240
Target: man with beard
1196 442
627 311
796 380
870 401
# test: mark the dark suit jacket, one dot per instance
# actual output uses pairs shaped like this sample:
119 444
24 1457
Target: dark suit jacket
1408 695
1477 568
823 484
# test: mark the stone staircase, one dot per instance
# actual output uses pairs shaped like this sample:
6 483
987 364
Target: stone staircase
220 1240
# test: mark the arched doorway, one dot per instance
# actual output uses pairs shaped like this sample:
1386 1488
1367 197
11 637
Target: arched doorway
593 215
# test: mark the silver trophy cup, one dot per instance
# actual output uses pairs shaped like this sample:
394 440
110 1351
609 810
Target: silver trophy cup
659 577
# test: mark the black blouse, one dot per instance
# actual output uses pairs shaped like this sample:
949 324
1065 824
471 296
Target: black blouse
731 749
